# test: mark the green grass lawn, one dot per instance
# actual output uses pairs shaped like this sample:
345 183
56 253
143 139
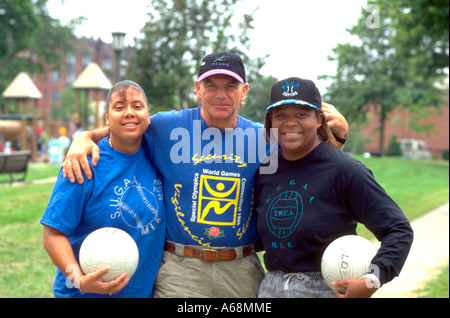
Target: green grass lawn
417 186
26 269
437 288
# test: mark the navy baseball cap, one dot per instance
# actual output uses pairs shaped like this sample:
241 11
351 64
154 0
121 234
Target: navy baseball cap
222 63
295 90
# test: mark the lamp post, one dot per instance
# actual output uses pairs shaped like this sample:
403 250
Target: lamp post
118 45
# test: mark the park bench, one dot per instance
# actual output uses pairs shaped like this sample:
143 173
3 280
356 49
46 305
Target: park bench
14 163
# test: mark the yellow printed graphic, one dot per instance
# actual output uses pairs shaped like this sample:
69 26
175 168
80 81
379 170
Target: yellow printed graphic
218 200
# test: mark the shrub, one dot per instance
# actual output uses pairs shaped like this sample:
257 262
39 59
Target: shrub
393 149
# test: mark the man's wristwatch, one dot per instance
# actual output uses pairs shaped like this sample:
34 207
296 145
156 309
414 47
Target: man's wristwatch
341 140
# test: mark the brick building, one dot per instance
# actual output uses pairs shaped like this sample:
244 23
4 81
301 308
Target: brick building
396 124
53 81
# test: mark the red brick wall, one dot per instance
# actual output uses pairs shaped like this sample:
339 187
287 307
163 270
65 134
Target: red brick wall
396 124
97 51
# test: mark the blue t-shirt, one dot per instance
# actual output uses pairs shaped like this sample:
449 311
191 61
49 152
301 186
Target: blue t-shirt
125 192
209 177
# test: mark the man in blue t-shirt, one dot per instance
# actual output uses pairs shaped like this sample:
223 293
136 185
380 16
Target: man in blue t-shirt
208 157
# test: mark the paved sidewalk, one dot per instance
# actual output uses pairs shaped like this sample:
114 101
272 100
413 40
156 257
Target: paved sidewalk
429 253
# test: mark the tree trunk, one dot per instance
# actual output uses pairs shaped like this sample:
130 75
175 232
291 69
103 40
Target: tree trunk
382 125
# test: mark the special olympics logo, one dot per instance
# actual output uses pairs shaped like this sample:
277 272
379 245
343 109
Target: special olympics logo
218 200
284 214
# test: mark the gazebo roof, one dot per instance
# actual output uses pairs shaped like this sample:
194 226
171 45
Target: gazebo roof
22 87
92 77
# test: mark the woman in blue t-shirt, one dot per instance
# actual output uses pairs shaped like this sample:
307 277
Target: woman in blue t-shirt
125 192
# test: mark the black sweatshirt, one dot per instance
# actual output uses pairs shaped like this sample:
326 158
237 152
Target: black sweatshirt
310 202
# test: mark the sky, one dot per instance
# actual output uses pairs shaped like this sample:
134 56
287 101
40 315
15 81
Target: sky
299 35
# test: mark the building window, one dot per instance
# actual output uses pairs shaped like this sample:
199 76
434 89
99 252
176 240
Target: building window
70 77
71 59
107 64
55 76
55 96
86 60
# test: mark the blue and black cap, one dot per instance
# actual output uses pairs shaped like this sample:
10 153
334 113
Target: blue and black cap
295 90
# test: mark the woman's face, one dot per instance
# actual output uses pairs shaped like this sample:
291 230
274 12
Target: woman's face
297 129
127 116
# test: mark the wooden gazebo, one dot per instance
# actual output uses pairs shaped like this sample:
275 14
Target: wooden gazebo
24 92
91 79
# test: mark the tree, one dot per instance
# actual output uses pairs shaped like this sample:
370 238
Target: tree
53 40
18 20
378 73
177 36
422 34
30 39
258 98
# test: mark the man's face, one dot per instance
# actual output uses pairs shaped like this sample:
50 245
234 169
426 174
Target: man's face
221 96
